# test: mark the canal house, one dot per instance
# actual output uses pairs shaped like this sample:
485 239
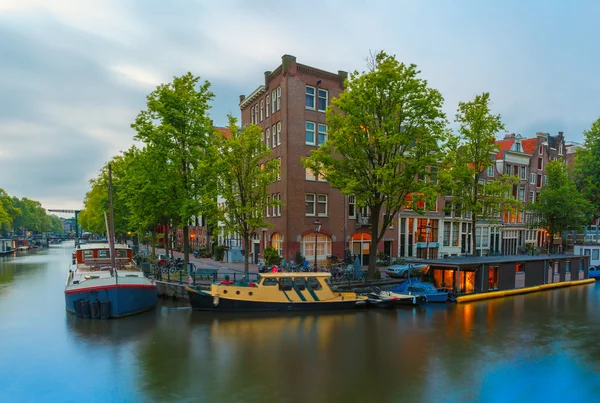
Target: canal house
5 246
469 275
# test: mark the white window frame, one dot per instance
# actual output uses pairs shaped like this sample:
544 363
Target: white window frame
268 206
262 110
308 96
326 97
278 133
279 168
307 201
278 98
524 173
256 113
490 171
268 138
267 100
251 114
314 132
352 201
321 197
273 101
274 135
532 196
279 205
532 178
319 126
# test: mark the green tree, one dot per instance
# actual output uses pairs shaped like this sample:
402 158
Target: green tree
469 154
587 166
176 122
6 225
243 174
384 130
5 219
559 207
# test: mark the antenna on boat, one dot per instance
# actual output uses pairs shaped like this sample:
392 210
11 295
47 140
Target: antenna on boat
111 239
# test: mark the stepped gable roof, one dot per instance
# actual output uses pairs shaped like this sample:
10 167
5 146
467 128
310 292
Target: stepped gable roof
529 145
503 145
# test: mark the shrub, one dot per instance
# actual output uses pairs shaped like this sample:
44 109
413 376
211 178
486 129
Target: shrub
300 257
219 252
271 256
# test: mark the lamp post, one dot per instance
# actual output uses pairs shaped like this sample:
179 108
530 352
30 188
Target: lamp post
427 232
317 225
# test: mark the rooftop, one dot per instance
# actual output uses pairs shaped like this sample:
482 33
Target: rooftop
478 260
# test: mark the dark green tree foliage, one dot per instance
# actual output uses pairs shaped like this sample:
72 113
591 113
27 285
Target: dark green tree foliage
560 207
176 124
384 130
587 167
25 215
244 172
469 154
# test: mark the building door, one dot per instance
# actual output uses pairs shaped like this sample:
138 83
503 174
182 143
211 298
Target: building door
361 246
387 248
256 251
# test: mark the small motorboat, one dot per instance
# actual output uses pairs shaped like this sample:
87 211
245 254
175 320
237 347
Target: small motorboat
414 286
389 299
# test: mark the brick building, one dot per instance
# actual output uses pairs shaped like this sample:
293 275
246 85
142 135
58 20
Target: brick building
290 108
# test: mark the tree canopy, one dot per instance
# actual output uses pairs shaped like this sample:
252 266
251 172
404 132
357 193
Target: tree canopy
384 130
560 207
587 166
244 172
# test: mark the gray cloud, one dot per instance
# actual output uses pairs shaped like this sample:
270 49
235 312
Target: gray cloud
73 75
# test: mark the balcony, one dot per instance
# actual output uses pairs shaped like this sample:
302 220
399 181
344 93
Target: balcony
363 220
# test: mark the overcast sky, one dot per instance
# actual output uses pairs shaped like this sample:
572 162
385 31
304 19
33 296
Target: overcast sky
74 74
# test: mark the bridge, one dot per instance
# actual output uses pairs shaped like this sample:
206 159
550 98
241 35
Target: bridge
69 211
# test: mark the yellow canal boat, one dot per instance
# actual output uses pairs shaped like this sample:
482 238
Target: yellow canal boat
303 291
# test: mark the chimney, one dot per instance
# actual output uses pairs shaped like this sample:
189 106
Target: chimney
542 134
342 76
509 136
560 134
288 63
242 97
267 74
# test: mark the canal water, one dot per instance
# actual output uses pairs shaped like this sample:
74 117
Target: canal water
536 347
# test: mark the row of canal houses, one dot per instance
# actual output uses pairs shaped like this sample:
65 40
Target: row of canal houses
289 105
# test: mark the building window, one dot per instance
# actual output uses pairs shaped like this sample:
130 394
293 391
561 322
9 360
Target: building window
279 168
568 266
268 206
522 194
493 278
310 204
541 150
545 179
518 147
532 196
268 138
540 163
278 133
532 178
447 227
256 113
310 97
277 243
508 170
262 110
523 173
252 115
278 98
267 105
490 172
539 181
351 206
310 176
274 134
323 95
595 253
322 134
273 101
322 205
310 133
485 237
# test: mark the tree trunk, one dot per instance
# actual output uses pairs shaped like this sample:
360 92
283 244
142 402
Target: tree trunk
374 241
166 240
186 247
153 244
246 253
473 237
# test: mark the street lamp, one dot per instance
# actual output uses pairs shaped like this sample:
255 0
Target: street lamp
427 232
317 225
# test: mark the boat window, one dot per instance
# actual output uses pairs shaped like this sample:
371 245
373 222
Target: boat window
313 283
121 253
270 281
300 283
285 284
103 253
88 253
415 289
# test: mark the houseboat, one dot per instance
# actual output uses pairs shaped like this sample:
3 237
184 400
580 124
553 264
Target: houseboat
95 289
5 247
284 292
468 275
